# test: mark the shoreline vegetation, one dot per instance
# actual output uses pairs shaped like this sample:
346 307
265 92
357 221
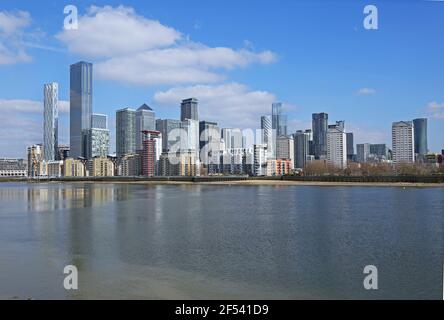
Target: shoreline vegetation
371 181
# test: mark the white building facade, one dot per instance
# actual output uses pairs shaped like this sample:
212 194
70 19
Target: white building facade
337 147
403 142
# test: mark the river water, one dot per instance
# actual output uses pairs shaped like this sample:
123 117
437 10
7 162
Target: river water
135 241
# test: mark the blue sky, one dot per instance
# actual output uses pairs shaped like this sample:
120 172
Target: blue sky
235 56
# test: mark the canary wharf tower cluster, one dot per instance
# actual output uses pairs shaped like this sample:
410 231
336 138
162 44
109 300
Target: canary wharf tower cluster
190 146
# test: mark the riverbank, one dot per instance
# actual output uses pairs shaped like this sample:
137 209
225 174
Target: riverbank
327 184
386 181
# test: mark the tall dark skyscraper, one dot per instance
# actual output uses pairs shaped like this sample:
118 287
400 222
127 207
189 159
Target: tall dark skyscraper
350 146
320 127
279 120
301 148
80 106
189 109
420 134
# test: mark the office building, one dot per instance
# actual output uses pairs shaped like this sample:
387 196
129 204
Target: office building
267 135
189 136
233 138
81 91
320 127
363 152
50 121
125 132
301 148
145 121
98 137
350 147
420 134
189 109
403 140
97 143
210 150
99 121
380 152
285 149
279 120
337 147
170 130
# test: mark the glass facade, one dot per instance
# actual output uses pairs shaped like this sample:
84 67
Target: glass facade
189 109
320 127
99 121
145 120
125 132
165 127
50 121
279 120
80 107
97 143
420 127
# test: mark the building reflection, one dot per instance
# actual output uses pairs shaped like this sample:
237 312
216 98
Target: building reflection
50 198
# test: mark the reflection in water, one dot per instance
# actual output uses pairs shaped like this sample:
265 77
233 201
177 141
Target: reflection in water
196 241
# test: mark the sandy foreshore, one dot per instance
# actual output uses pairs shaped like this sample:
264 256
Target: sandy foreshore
275 183
324 184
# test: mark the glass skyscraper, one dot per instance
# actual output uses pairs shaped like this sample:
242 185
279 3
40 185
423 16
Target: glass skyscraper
98 137
50 121
301 148
320 127
125 132
420 127
145 120
350 146
189 109
80 107
279 120
99 121
165 126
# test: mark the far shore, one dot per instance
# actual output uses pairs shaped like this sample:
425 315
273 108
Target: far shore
240 182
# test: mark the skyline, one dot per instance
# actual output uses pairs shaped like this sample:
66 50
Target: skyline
371 94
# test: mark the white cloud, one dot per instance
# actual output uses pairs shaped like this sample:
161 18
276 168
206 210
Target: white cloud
12 22
109 32
12 34
436 110
188 64
22 125
231 105
133 49
366 91
28 106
